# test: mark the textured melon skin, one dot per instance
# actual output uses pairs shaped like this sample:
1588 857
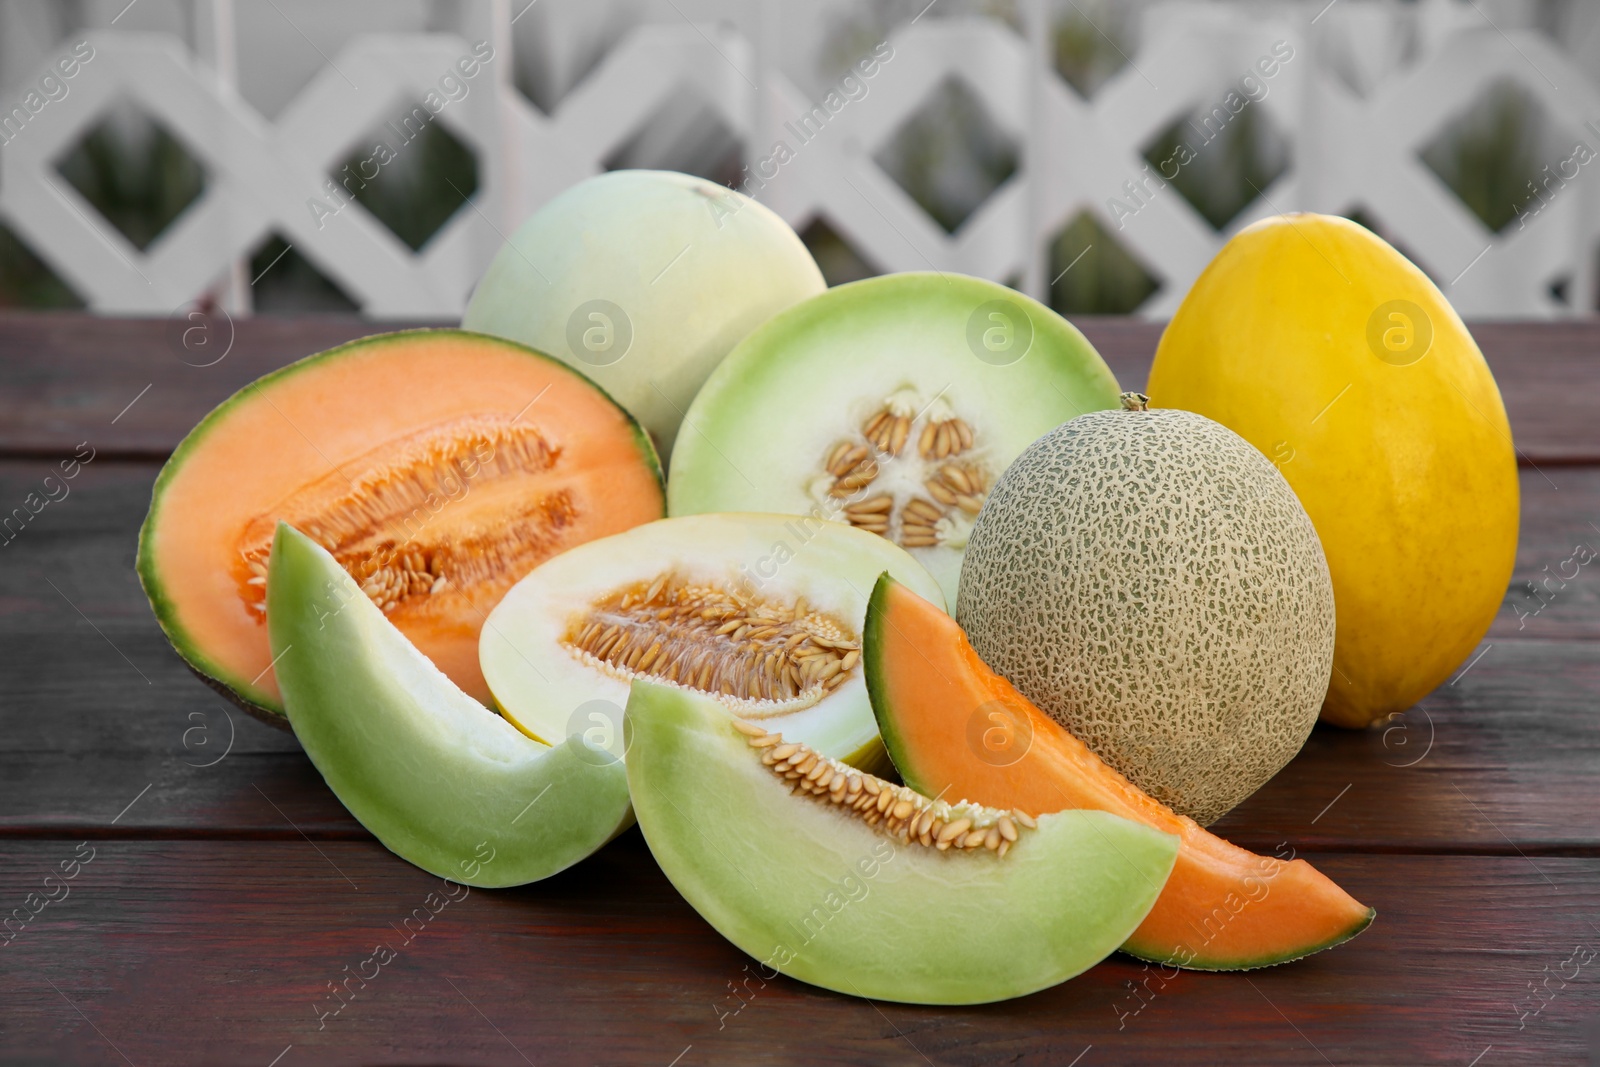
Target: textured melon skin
825 899
439 779
1150 581
190 647
955 728
693 265
771 411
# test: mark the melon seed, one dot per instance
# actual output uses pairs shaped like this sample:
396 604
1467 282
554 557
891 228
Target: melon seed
785 656
957 486
897 811
384 526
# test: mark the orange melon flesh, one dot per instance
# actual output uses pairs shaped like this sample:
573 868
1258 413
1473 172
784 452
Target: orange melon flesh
956 729
439 466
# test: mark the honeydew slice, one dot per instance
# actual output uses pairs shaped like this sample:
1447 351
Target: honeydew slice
442 781
908 900
763 611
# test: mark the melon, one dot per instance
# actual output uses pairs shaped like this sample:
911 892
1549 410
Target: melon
1320 344
762 612
955 728
891 404
849 882
438 467
443 782
1150 581
644 280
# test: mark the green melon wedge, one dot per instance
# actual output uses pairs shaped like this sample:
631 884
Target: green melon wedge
813 891
442 781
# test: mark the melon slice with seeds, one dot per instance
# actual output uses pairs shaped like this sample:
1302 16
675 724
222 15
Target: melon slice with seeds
849 882
438 466
954 726
891 404
762 612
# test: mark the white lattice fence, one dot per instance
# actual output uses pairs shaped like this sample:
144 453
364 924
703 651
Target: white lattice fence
1347 151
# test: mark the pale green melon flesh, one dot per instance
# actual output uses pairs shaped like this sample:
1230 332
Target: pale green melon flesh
822 897
543 687
443 782
692 267
810 376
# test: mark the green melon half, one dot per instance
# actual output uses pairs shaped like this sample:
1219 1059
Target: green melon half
443 782
813 891
934 348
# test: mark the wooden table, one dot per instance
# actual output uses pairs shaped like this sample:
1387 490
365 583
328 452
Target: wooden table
227 888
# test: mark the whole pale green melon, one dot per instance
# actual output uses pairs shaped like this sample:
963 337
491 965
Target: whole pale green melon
1150 580
644 280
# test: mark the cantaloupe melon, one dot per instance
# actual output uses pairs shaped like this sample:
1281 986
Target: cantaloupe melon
1150 581
438 466
956 729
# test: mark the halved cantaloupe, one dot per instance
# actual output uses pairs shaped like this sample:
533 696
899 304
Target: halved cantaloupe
437 466
956 729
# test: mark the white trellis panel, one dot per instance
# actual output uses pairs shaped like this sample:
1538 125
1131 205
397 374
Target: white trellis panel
1347 150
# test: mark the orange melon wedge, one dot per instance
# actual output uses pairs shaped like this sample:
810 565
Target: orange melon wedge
957 730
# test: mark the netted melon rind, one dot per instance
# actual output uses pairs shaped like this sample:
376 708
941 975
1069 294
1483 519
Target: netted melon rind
1150 580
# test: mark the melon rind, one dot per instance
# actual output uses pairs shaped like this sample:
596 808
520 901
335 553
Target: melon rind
548 692
694 266
769 414
818 895
1150 581
439 779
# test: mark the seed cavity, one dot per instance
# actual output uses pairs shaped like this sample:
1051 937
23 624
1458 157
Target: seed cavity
922 496
893 810
404 518
763 656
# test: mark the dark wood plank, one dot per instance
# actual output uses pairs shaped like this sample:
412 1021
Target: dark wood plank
1553 592
171 952
65 378
95 707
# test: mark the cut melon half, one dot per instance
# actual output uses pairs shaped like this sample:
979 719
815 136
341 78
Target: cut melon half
857 885
953 726
891 404
438 466
442 781
763 612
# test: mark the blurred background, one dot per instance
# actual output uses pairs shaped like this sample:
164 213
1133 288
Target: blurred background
230 151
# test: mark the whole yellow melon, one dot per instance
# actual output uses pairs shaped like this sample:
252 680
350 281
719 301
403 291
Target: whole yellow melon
1318 343
1150 581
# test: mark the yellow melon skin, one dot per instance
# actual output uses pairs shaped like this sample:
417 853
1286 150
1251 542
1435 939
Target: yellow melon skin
1317 342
